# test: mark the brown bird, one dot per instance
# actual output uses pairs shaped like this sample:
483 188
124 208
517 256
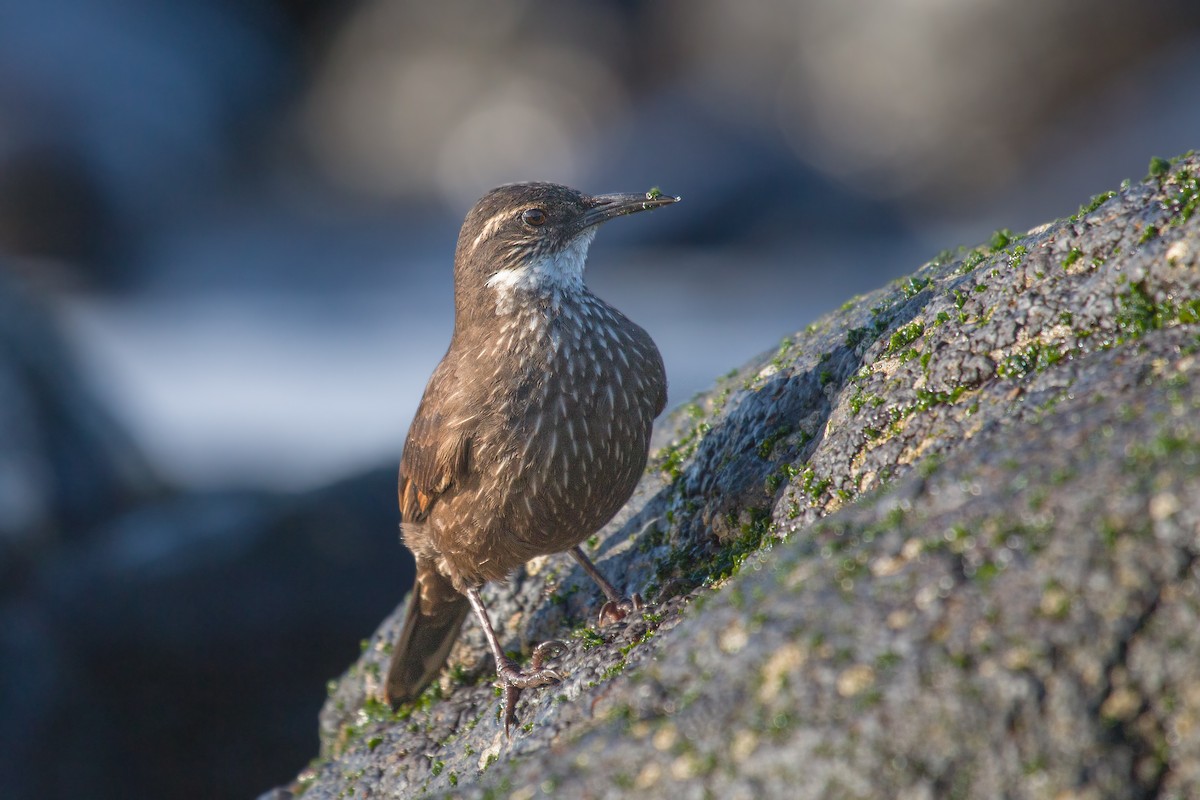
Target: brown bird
533 430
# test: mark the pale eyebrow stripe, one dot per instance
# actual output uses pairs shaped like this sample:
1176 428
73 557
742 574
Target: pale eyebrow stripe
490 227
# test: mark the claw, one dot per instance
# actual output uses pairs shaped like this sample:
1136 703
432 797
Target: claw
615 611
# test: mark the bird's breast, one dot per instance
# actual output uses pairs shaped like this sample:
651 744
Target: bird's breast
572 394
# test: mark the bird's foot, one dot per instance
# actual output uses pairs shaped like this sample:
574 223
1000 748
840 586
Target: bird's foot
617 610
514 679
537 675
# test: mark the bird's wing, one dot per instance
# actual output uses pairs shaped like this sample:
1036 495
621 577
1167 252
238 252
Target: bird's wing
437 451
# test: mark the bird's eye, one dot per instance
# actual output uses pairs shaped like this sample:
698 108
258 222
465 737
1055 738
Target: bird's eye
534 216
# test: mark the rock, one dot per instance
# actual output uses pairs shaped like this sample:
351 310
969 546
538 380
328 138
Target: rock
943 542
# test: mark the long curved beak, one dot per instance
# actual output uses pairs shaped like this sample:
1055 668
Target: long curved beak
610 206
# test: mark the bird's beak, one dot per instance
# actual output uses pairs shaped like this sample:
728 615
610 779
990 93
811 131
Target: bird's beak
608 206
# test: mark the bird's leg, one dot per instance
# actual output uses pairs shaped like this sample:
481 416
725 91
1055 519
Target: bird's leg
513 678
617 607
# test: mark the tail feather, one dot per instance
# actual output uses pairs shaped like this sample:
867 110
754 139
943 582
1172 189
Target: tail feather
431 624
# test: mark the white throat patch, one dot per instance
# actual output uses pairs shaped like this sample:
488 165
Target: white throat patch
549 275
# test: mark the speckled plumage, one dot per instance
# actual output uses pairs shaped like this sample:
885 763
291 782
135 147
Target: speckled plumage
535 426
553 406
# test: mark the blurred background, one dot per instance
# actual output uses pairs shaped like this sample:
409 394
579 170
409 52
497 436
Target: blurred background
226 236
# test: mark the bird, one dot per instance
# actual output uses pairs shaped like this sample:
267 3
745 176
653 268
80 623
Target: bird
533 430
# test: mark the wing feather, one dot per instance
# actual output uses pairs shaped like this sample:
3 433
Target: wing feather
437 451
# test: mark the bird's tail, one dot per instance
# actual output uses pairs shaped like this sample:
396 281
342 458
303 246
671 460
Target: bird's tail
431 624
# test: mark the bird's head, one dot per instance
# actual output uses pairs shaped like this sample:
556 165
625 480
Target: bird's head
534 237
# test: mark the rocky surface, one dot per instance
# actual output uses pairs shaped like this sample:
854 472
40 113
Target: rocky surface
941 543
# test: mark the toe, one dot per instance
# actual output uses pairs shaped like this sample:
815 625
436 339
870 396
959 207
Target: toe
511 695
546 651
527 679
610 612
613 611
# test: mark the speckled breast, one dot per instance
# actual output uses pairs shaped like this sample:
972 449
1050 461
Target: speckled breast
565 429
